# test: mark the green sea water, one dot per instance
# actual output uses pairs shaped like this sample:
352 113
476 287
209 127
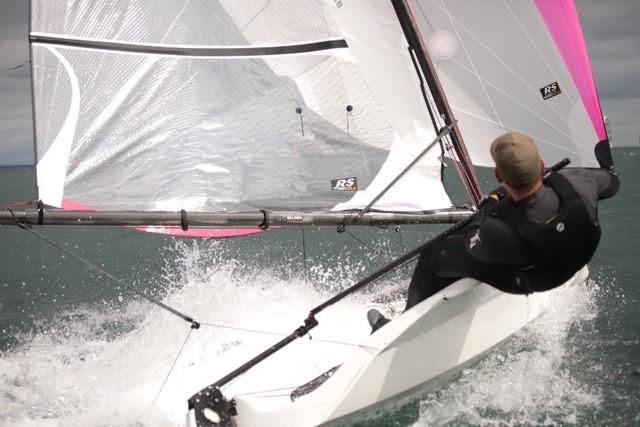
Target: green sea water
79 349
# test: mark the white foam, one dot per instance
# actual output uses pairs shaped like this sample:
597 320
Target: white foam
527 380
84 370
105 367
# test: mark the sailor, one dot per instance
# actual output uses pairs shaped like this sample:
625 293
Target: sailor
531 234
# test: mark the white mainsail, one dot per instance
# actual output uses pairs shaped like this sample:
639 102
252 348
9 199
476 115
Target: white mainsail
216 106
221 107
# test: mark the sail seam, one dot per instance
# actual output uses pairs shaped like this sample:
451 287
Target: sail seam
507 95
503 63
190 51
508 128
535 46
475 70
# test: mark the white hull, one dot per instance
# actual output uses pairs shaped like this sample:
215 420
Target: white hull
423 345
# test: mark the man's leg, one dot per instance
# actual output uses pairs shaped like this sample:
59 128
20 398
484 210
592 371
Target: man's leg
424 281
452 260
447 261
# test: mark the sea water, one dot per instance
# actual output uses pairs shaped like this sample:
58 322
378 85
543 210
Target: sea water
78 349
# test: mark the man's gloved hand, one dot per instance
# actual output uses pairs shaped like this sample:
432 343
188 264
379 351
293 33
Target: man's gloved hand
602 150
493 197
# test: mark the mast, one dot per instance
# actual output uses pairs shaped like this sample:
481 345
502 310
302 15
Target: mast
467 174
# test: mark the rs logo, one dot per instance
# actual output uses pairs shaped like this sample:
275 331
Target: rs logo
338 3
345 184
550 90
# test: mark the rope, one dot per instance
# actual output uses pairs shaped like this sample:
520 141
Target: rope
249 393
194 324
399 231
280 334
372 249
173 365
304 256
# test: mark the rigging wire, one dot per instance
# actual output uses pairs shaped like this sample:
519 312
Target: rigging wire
304 256
372 249
173 365
441 134
406 18
249 393
362 242
280 334
194 324
299 112
399 231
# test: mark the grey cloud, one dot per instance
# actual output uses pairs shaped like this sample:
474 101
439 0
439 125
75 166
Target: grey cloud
615 58
612 34
613 40
20 155
14 19
618 78
16 138
620 46
16 95
16 147
609 19
622 114
15 51
10 74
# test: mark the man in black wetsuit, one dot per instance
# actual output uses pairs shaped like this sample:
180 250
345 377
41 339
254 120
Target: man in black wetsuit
530 234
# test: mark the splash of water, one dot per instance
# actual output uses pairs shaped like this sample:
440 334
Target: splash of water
527 381
106 367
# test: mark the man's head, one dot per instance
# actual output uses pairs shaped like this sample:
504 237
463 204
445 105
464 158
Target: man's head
517 160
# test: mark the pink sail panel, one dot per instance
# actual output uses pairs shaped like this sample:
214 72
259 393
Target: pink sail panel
212 233
72 205
563 23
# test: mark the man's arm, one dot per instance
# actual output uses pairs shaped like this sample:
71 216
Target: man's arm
601 183
613 186
609 188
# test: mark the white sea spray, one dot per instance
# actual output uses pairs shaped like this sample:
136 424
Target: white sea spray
106 366
527 380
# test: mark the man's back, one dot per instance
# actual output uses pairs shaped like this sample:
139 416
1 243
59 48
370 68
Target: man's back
497 242
530 234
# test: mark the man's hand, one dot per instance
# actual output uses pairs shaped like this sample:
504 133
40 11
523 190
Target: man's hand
493 197
602 151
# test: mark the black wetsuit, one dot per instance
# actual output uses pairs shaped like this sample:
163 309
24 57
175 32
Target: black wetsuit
494 249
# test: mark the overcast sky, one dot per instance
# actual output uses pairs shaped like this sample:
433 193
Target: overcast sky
612 32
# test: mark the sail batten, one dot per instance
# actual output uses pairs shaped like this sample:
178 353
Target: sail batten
186 50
